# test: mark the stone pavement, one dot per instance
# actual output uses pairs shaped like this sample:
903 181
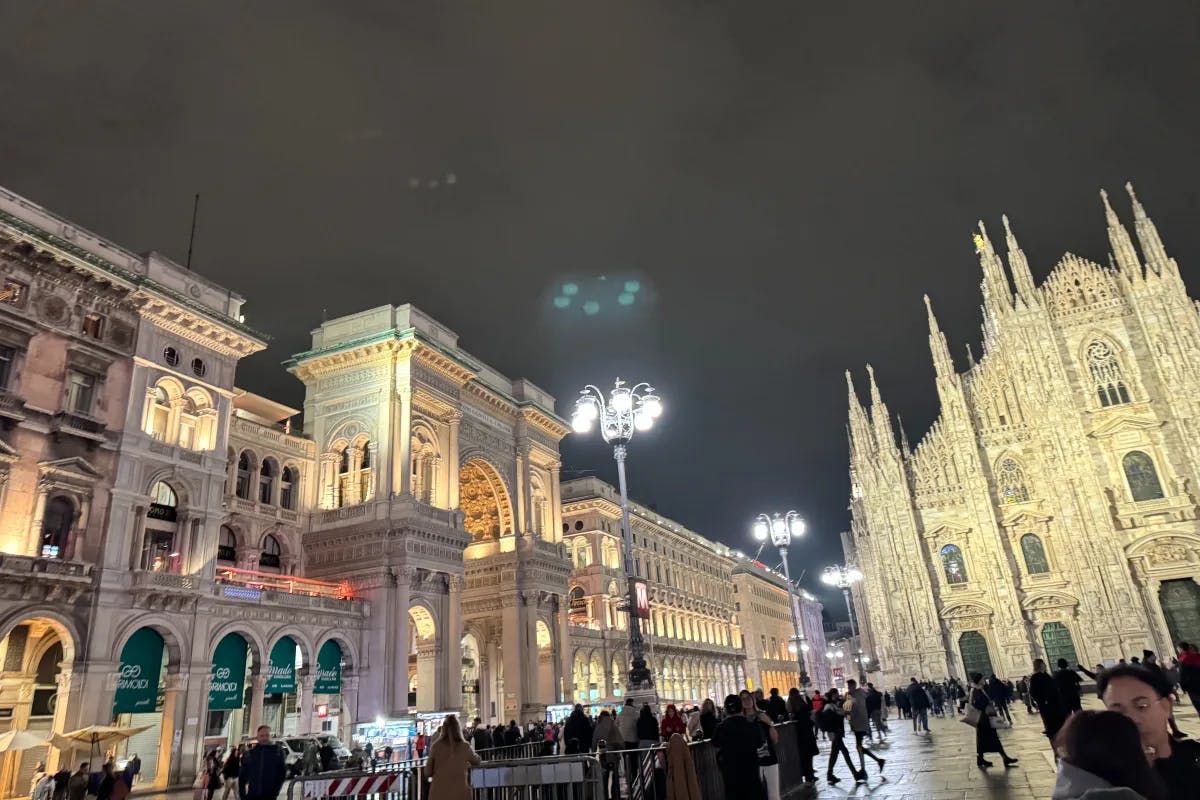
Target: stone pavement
941 766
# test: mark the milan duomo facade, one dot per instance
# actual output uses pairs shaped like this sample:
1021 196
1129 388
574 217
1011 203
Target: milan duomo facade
1050 511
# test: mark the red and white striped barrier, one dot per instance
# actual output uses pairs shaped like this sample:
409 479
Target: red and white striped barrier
352 787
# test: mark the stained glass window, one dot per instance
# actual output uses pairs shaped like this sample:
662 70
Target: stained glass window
1107 375
1035 554
953 564
1142 476
1011 479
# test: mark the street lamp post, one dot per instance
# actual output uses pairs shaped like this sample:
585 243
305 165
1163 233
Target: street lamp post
624 411
843 576
781 528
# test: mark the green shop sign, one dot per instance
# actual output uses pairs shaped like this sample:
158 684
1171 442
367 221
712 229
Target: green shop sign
329 669
281 671
141 668
227 686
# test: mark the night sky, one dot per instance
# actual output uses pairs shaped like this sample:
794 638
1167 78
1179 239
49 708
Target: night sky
782 181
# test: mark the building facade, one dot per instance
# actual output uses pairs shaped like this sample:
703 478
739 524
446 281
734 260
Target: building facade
1050 511
762 603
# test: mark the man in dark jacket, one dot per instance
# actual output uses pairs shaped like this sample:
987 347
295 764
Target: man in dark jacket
776 707
737 740
263 769
1067 681
481 737
577 733
1043 691
918 703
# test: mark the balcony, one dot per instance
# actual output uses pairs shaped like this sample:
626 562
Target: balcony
242 505
75 423
30 578
12 407
165 581
285 590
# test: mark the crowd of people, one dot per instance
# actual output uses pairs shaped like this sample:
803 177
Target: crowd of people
107 784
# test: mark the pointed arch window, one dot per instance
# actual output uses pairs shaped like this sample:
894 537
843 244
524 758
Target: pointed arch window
243 476
1034 551
1108 377
1014 488
266 482
953 564
1142 476
287 488
270 558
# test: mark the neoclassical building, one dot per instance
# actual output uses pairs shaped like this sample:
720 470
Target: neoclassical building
1051 508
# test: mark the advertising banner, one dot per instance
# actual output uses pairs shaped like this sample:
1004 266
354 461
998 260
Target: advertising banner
329 669
227 684
281 669
141 667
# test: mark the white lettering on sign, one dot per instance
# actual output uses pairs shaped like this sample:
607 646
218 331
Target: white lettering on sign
131 678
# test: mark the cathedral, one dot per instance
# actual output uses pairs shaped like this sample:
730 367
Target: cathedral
1050 510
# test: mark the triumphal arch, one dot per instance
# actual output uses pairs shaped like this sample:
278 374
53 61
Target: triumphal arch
437 483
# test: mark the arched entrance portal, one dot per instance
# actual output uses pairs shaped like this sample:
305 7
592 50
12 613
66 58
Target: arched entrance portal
281 695
975 654
140 702
1058 643
1180 601
487 513
422 660
35 684
547 693
228 722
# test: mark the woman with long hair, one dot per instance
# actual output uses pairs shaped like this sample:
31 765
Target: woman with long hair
800 711
832 719
986 738
1102 750
449 763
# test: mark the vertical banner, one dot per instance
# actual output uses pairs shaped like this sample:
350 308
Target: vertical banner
281 668
329 669
139 673
227 685
643 600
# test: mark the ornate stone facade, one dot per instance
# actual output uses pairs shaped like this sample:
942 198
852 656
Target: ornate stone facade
1050 510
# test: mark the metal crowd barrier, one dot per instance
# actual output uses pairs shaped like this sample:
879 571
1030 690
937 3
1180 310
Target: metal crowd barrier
576 777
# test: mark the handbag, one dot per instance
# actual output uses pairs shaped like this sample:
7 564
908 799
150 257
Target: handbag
972 716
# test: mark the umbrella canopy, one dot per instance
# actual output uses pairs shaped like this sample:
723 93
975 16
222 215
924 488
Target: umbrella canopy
95 735
17 739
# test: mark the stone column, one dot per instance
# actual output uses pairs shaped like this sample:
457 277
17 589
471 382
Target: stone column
402 643
353 486
403 446
306 685
1149 588
562 649
429 682
524 487
169 747
258 686
34 541
494 710
62 705
452 497
453 644
555 533
349 716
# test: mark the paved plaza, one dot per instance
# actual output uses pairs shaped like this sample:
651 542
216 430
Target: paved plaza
941 766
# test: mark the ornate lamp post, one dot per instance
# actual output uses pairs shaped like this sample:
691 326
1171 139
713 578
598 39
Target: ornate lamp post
624 411
843 576
781 528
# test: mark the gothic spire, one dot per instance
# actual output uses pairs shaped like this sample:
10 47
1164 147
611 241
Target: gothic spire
1147 234
904 448
881 419
943 364
1122 245
997 296
1019 267
858 429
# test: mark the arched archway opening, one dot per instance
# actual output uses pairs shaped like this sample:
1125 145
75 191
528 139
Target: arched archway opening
547 693
281 695
35 681
470 676
975 655
487 512
228 719
422 660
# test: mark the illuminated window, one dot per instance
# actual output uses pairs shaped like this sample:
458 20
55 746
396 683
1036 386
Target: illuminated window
953 564
1142 477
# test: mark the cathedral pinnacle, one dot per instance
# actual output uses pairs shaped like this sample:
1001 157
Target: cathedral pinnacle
876 399
1152 246
943 364
1122 245
997 296
1019 266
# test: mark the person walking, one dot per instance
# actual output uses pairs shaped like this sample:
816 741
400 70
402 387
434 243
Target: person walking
263 770
607 733
1145 698
738 741
212 773
1100 754
986 738
230 770
1189 672
577 733
860 725
107 781
1067 680
1000 695
768 759
672 723
800 713
818 703
918 704
449 763
1043 690
647 728
875 702
833 723
77 785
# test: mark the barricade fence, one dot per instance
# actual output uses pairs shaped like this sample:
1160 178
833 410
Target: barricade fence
576 777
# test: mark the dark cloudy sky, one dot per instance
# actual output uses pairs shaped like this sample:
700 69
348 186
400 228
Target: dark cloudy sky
785 180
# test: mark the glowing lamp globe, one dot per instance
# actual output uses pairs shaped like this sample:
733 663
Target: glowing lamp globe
796 526
580 423
643 421
778 526
622 401
652 406
761 530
